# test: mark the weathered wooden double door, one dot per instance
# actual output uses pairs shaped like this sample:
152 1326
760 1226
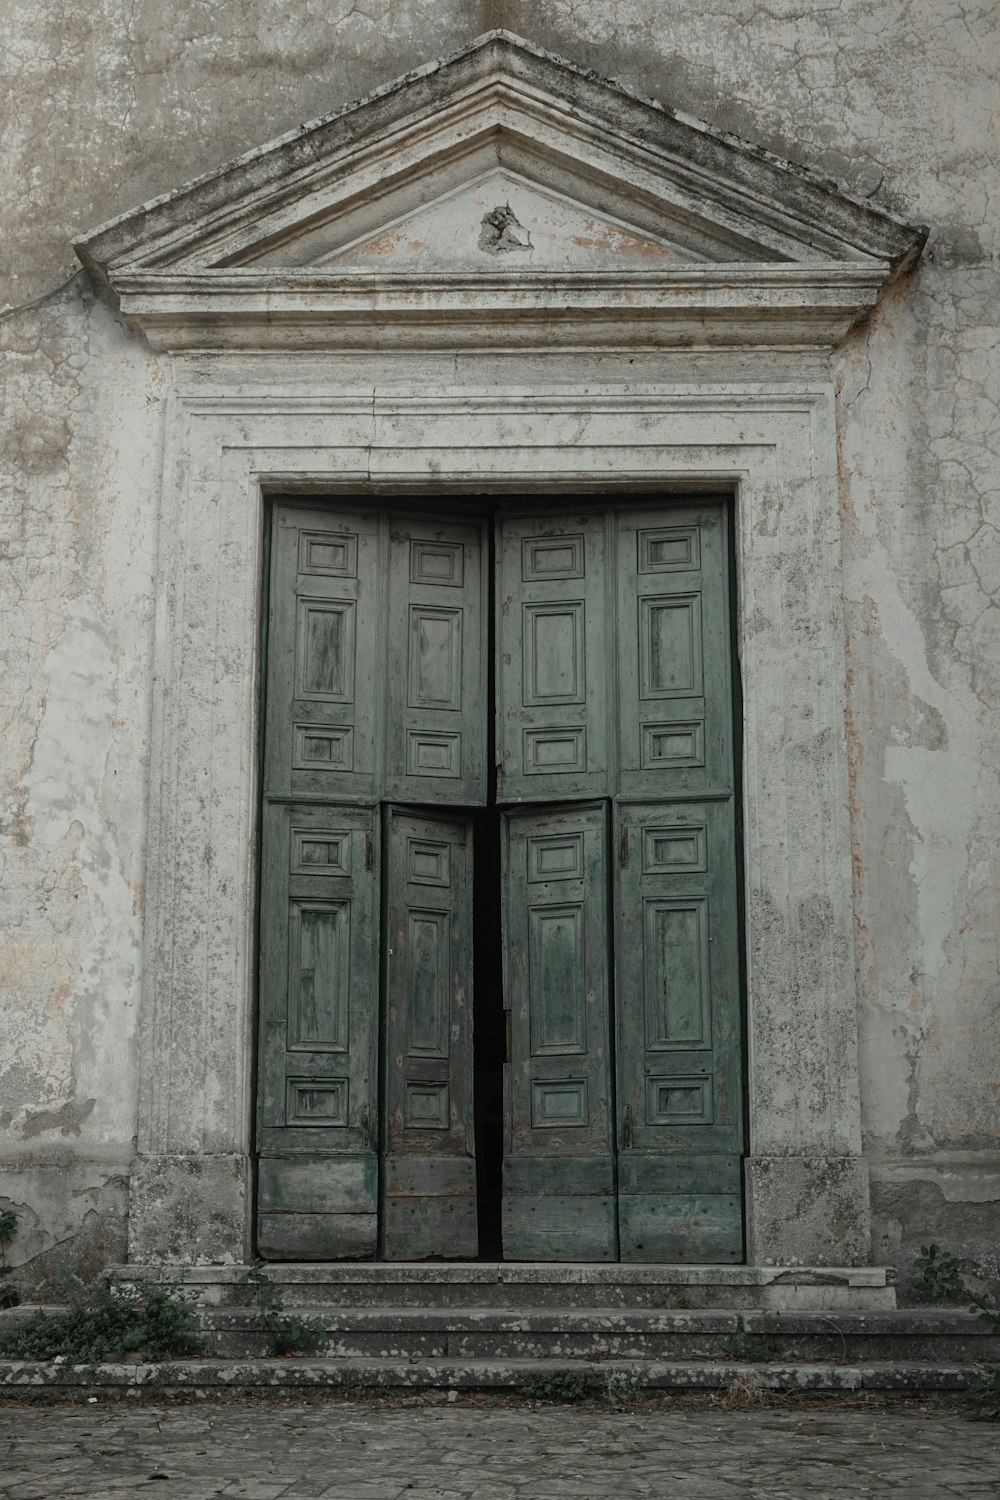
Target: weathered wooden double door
573 699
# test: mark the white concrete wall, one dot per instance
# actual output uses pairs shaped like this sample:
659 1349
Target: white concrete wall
118 103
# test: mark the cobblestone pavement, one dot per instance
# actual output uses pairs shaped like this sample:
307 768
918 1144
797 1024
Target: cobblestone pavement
473 1450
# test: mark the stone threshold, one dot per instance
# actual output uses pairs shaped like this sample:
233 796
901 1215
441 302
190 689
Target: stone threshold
355 1377
514 1273
770 1288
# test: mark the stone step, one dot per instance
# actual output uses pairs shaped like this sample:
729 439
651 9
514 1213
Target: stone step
512 1284
612 1333
610 1380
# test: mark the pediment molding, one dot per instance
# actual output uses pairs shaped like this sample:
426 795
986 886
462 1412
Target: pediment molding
501 198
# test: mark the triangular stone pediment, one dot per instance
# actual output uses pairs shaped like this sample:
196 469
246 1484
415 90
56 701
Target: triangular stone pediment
505 171
500 220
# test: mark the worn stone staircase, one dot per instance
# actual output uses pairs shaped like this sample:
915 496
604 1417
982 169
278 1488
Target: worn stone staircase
495 1326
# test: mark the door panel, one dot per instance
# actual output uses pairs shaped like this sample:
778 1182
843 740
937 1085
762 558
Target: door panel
317 1183
435 707
376 658
324 640
558 1177
674 680
429 1185
552 673
680 1125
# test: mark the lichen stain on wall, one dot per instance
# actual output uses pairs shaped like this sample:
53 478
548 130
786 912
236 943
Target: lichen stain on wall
74 950
117 103
924 735
76 565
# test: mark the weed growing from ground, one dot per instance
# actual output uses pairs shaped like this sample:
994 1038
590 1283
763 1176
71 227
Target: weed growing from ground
284 1334
617 1387
940 1279
559 1385
108 1323
9 1295
743 1395
622 1386
940 1276
753 1348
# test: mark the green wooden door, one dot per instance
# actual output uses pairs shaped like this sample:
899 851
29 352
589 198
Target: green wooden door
374 692
429 1169
558 1171
614 678
317 1106
677 991
616 785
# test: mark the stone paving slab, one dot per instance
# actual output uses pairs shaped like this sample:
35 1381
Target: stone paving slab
433 1448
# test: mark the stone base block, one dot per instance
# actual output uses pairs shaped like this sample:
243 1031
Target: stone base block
808 1211
189 1208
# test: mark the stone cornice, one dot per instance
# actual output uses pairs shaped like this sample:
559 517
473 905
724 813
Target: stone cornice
761 253
789 307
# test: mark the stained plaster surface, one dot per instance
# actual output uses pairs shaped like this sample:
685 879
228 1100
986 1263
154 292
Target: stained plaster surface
113 104
471 1450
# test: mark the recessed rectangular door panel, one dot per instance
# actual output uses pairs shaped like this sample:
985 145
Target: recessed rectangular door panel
324 641
558 1175
554 695
680 1111
673 649
435 663
429 1179
316 1121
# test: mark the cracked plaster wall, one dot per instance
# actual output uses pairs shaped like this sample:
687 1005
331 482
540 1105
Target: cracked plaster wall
119 102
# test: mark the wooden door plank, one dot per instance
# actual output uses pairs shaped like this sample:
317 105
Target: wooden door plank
679 1229
435 662
561 1227
318 1007
324 641
679 1052
429 1184
680 1112
673 652
558 1182
553 670
305 1236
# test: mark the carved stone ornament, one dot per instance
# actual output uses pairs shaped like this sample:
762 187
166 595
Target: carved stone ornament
380 224
502 231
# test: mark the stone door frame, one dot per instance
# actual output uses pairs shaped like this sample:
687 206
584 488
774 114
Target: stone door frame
394 427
